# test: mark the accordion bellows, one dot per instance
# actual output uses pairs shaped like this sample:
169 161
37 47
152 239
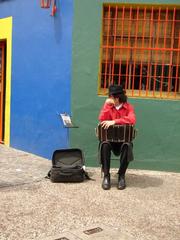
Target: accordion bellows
116 133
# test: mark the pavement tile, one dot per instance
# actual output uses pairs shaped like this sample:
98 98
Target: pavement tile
95 232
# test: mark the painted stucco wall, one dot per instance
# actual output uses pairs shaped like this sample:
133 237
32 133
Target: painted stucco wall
6 33
41 74
158 121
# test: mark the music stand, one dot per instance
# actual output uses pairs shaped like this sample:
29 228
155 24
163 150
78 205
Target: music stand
67 122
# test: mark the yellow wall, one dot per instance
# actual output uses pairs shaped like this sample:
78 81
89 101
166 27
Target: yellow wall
6 34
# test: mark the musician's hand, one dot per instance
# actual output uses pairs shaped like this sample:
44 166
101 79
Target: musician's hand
110 101
106 124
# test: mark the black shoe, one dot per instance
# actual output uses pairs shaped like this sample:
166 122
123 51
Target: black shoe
121 182
106 184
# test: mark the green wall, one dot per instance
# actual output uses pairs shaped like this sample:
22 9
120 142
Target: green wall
157 146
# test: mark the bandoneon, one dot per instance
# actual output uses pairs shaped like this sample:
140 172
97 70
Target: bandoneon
116 133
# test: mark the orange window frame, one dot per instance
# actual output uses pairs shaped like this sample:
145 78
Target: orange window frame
140 49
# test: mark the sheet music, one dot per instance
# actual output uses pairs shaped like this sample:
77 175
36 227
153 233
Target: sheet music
66 120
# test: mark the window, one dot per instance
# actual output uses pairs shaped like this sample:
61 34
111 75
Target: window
140 49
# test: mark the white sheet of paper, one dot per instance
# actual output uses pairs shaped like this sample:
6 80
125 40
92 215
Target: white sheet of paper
66 120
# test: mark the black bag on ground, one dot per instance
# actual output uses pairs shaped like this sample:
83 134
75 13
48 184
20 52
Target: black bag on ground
67 166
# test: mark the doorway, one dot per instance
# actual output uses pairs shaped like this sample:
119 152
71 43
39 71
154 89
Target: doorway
2 88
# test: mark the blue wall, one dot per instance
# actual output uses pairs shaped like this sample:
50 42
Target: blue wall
41 74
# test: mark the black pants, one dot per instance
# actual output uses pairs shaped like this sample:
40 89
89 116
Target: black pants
118 150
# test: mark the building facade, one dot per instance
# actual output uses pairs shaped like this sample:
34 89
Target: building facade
64 63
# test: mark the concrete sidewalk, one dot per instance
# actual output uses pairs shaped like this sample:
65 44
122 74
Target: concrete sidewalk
34 208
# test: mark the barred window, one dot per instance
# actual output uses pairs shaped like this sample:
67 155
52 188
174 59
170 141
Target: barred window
140 49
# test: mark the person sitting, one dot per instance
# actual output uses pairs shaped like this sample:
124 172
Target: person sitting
116 111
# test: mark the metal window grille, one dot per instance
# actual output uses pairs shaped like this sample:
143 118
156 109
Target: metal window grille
140 49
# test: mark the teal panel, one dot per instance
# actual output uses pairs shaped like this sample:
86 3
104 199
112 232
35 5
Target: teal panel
158 121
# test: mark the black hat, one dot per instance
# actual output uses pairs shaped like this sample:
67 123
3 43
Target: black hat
115 89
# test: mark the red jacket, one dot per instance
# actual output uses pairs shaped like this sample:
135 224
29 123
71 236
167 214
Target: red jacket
125 115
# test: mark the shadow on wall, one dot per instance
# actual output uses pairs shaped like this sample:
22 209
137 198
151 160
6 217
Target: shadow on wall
57 24
5 0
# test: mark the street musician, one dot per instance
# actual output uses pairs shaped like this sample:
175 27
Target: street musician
116 111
